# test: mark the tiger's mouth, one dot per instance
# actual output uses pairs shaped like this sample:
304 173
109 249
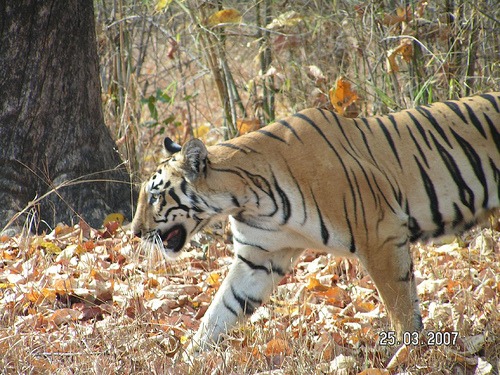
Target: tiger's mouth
174 238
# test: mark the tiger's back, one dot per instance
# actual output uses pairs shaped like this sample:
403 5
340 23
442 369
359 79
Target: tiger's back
435 166
360 187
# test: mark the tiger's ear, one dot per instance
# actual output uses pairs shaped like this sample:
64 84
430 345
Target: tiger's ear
195 156
171 147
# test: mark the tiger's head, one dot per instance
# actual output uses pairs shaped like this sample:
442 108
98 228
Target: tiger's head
169 210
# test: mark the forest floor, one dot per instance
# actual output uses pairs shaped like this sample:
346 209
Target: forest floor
85 301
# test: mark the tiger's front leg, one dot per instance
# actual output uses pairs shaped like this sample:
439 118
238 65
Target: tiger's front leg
250 281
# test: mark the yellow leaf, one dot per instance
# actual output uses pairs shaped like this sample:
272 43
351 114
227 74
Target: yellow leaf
224 16
402 15
399 358
405 50
201 131
162 5
392 65
7 255
148 295
63 316
34 296
152 283
287 19
343 97
374 371
247 125
314 284
51 247
213 279
363 307
335 296
49 295
63 286
276 347
117 217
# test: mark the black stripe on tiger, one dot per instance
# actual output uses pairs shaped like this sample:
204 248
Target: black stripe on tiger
271 135
193 197
252 223
316 127
264 186
496 174
419 128
475 121
387 135
252 265
324 112
339 126
382 194
394 123
459 216
245 150
297 186
248 304
437 217
285 202
228 306
355 191
164 200
366 123
456 109
352 243
176 198
325 236
365 140
289 127
348 148
361 204
417 146
360 200
429 116
464 191
156 186
361 196
235 201
414 227
475 163
367 178
409 275
494 132
246 243
320 132
493 101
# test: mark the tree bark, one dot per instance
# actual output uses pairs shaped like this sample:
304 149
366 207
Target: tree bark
52 129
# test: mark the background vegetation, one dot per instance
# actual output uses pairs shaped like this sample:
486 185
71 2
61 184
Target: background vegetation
85 301
168 69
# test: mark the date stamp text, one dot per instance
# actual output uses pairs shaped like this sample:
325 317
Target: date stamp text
431 338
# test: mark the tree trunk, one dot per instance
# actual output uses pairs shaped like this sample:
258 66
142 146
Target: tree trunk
52 129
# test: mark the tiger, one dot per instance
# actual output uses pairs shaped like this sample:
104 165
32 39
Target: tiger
355 187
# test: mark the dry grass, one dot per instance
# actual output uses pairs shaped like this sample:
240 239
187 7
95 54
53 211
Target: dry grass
132 313
122 313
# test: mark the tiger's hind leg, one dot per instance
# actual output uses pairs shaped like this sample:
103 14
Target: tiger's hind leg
391 268
252 278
